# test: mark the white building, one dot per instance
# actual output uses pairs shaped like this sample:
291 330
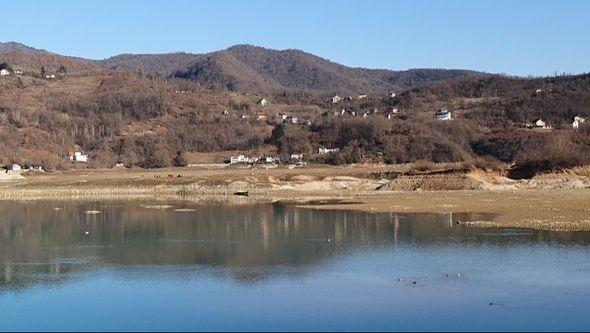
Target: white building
238 159
290 120
391 94
362 96
272 160
443 115
540 123
346 111
36 168
4 72
297 157
78 157
242 159
13 167
324 150
391 109
262 102
336 99
577 121
391 112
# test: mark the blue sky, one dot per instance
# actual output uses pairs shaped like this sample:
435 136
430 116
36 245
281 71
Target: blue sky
514 37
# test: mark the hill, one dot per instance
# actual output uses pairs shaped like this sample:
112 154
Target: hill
151 121
13 47
155 64
33 63
499 101
249 68
31 60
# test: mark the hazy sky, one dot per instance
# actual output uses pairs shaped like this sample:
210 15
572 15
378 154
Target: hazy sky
520 37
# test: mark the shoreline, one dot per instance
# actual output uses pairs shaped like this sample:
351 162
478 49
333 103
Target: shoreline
555 205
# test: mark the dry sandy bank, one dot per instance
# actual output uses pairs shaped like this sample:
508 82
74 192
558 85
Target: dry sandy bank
558 201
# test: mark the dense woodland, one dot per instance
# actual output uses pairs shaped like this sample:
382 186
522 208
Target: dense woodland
152 121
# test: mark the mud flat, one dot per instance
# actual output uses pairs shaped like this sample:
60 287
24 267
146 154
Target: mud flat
562 210
559 201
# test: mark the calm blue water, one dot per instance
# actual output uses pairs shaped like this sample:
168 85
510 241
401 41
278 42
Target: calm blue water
274 267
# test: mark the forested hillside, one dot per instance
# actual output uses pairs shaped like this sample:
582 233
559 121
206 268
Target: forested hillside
153 121
247 68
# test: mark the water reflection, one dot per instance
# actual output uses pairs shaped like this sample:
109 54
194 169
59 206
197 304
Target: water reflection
44 242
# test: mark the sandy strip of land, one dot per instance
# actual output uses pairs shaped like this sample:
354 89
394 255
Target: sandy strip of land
562 210
552 202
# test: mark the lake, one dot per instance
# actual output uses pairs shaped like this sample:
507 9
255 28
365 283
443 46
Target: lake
137 265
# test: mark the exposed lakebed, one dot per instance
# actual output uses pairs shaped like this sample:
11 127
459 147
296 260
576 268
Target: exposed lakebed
211 266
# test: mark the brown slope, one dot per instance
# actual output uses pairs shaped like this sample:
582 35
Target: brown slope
159 64
294 70
13 47
256 69
32 63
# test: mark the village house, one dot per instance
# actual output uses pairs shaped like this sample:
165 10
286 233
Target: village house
261 116
272 160
296 157
77 157
290 120
244 116
540 123
336 99
242 159
366 114
443 115
362 96
35 168
262 102
390 112
50 76
13 168
18 72
347 111
4 72
577 121
391 94
119 164
391 109
324 150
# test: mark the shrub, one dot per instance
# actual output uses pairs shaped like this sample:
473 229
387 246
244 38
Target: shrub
556 152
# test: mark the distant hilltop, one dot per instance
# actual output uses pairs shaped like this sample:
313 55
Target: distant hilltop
253 69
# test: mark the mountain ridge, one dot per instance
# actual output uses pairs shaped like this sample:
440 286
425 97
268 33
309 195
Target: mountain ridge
246 68
15 47
278 70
